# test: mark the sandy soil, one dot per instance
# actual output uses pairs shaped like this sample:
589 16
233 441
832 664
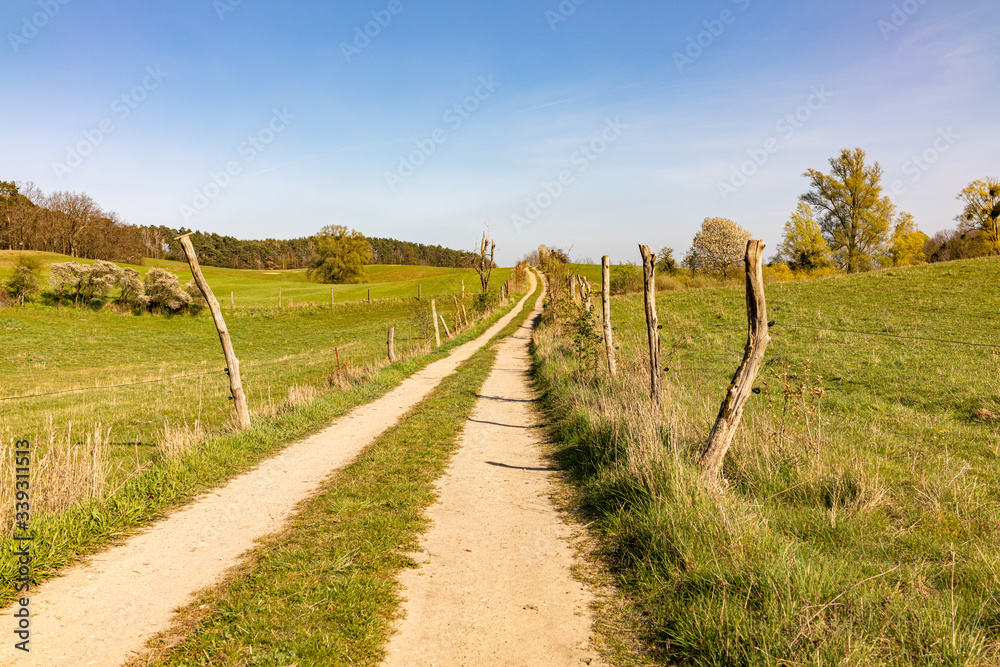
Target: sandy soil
103 612
495 584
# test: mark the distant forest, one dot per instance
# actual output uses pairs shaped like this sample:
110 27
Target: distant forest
73 224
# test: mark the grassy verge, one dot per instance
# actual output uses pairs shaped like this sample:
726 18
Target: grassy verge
858 523
167 482
324 591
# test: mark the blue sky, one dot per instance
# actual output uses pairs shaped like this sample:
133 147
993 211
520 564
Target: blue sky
592 125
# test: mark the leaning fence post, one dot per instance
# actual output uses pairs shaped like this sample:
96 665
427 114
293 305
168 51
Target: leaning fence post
447 331
606 308
652 325
741 386
437 329
232 363
391 343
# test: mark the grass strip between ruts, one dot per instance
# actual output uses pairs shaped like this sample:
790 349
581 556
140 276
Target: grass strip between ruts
323 591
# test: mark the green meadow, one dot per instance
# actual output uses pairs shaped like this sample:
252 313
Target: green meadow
858 521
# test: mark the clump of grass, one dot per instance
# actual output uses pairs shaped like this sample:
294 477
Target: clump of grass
179 439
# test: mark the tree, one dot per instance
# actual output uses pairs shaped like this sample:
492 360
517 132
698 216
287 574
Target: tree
853 213
339 256
484 265
23 283
982 212
803 246
78 211
907 243
719 247
665 262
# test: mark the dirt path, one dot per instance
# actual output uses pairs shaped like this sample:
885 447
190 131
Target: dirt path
495 584
102 612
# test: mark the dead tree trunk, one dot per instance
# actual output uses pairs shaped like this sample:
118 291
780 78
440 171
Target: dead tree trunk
437 329
391 343
741 386
232 363
606 307
652 325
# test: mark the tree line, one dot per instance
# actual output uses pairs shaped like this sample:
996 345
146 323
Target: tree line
72 223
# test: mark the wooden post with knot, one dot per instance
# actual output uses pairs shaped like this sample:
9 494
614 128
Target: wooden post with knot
652 326
232 363
741 386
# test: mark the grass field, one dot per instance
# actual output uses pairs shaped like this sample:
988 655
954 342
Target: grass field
859 519
261 288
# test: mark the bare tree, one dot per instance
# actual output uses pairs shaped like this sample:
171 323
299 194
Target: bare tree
80 212
483 264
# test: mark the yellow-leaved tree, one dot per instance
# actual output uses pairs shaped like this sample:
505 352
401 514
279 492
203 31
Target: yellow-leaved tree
803 246
907 243
982 212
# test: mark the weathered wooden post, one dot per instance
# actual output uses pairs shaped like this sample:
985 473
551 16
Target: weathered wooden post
369 295
391 343
437 329
606 308
418 292
741 386
331 296
232 363
232 300
652 325
585 293
458 314
279 297
447 331
465 315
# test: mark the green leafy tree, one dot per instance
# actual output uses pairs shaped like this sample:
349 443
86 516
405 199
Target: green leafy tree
803 246
665 262
907 243
982 212
719 248
853 213
340 255
23 283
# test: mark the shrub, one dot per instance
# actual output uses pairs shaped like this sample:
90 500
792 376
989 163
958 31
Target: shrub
132 292
198 302
164 291
626 278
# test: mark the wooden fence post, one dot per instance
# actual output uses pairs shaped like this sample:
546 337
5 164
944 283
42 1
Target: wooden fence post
447 331
391 343
279 297
741 386
606 308
369 295
585 293
331 296
652 325
437 329
232 363
458 314
465 315
232 300
418 292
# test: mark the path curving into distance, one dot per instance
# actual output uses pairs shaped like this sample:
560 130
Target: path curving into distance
495 586
102 612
